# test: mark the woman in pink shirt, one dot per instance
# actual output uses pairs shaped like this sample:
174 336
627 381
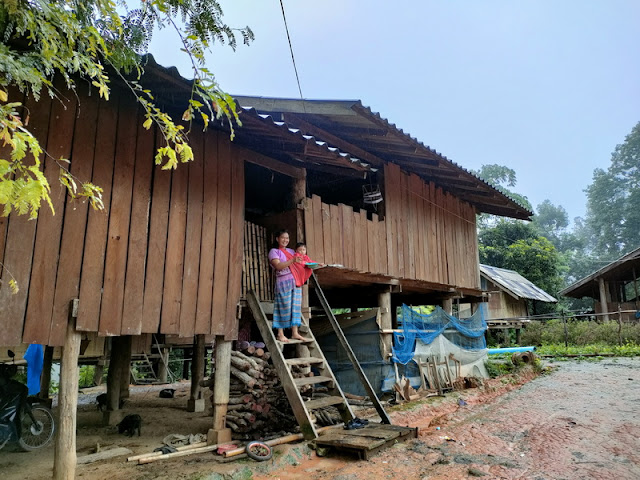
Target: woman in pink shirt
288 297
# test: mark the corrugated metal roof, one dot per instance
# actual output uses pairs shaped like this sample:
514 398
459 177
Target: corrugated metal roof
622 269
515 284
353 126
247 136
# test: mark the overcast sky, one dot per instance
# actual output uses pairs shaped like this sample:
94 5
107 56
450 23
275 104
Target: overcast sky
546 87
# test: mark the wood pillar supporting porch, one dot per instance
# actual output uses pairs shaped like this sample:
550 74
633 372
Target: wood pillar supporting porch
602 286
222 376
65 459
196 400
447 305
45 380
386 322
118 367
163 371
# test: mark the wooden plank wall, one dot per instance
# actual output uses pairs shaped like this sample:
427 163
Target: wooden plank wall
431 234
165 255
427 234
336 234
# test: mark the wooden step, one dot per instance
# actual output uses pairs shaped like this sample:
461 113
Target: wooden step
323 402
304 361
300 382
293 341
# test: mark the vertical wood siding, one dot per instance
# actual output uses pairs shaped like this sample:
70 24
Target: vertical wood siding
165 254
426 234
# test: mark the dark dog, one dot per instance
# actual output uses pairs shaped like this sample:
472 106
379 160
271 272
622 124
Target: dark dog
130 424
101 400
167 392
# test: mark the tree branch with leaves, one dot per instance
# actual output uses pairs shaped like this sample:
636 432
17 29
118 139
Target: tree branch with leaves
91 41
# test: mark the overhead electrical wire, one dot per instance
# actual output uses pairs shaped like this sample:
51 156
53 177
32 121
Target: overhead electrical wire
293 58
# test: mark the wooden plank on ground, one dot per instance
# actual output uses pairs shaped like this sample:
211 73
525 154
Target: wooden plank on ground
157 247
18 249
95 241
75 220
139 232
118 236
191 275
235 248
172 289
318 253
223 227
208 241
37 324
326 235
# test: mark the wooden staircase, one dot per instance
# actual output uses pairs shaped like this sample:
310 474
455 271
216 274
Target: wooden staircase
301 409
311 356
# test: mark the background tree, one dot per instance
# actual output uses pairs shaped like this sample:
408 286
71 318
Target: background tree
91 41
613 202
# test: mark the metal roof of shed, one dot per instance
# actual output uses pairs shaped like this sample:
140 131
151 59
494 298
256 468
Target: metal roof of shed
515 284
623 269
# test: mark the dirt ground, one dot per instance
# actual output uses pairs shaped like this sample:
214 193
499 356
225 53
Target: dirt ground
578 422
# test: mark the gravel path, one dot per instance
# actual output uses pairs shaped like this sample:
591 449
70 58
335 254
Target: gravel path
581 421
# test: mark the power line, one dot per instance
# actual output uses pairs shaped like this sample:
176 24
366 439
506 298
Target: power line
293 58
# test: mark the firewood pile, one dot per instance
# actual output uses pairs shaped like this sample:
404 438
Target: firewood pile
258 406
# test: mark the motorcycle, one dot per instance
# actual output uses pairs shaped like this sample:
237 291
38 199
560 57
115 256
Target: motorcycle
22 418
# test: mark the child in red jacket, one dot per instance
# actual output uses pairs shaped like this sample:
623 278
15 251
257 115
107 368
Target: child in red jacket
300 271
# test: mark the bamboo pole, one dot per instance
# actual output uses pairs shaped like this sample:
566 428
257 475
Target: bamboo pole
157 454
183 453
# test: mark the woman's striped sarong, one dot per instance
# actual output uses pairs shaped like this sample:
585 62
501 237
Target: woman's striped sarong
287 303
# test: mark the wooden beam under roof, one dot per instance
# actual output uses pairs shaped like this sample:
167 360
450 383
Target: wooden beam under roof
271 163
295 121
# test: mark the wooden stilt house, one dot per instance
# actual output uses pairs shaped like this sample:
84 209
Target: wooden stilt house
174 252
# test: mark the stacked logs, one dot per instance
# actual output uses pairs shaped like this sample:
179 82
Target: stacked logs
258 406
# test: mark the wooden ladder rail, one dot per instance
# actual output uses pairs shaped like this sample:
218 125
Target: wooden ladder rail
301 409
313 282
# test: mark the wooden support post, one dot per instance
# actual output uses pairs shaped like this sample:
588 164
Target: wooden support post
163 365
65 459
298 194
45 379
447 305
196 400
112 415
98 373
519 336
222 376
566 334
125 365
635 288
386 323
186 365
603 298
